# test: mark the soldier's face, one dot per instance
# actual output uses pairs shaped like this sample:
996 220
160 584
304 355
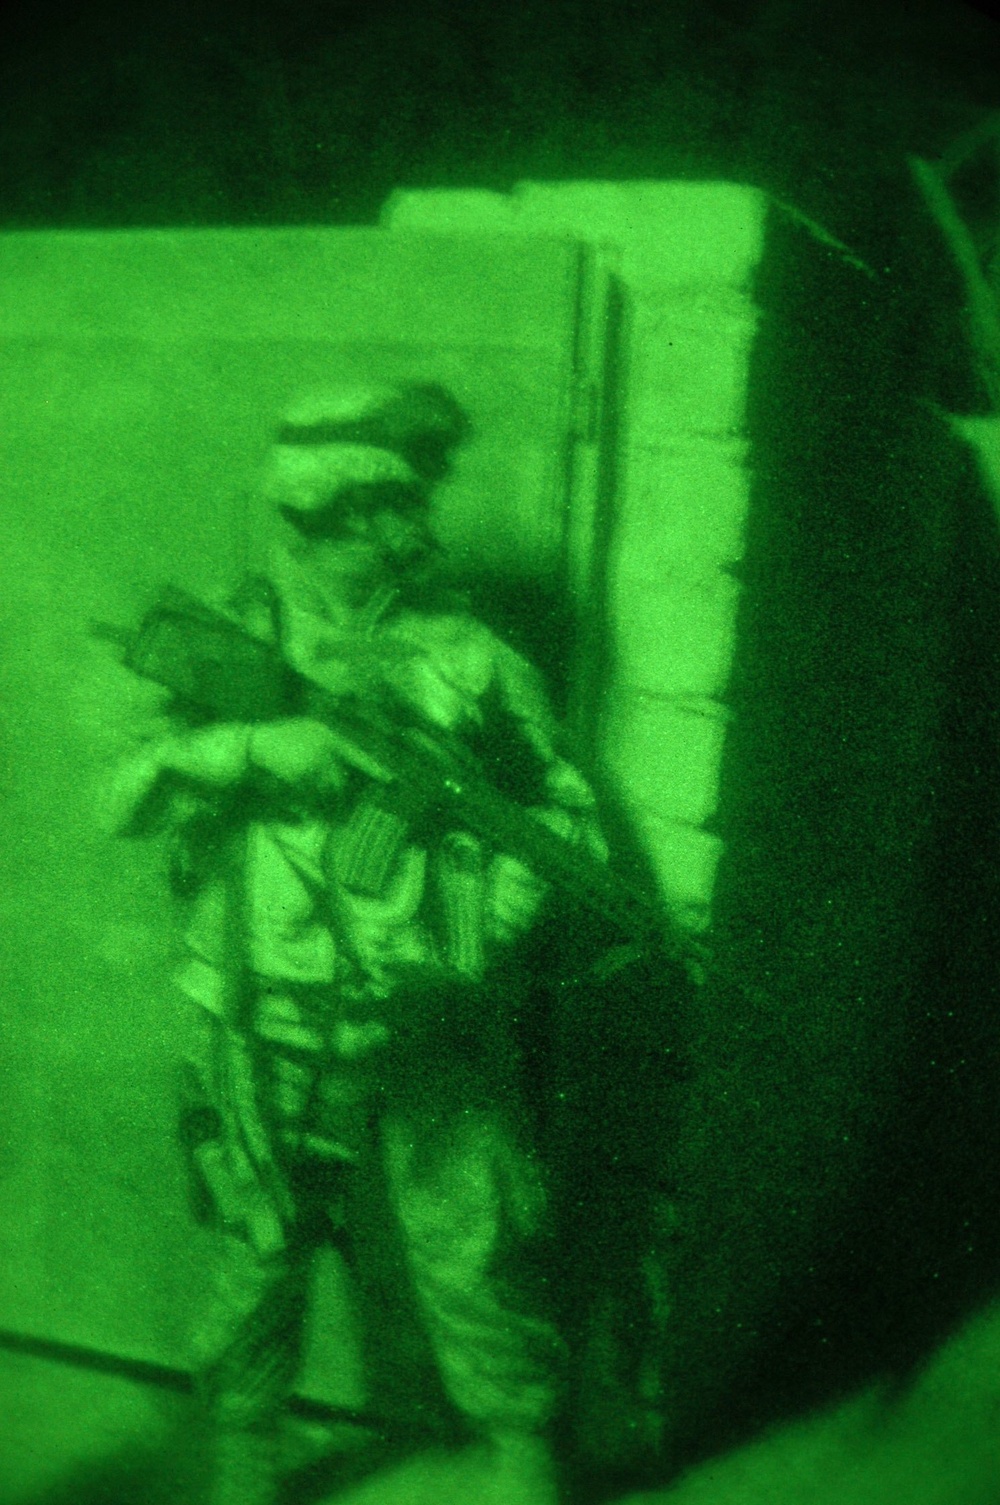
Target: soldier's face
366 531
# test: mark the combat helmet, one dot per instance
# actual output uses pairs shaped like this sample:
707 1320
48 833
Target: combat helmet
392 435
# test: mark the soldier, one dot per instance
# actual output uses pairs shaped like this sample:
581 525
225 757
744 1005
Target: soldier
333 928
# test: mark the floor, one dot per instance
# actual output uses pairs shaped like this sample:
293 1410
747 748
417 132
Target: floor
75 1438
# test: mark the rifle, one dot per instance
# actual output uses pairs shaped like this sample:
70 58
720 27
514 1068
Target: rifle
219 671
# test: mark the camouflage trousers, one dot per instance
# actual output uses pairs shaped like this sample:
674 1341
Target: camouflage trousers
292 1143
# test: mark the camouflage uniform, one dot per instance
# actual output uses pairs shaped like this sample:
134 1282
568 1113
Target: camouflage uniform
296 974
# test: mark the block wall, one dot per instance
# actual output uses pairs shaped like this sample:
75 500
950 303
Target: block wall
683 255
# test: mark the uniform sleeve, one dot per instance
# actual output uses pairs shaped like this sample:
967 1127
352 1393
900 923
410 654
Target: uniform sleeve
166 780
570 804
567 804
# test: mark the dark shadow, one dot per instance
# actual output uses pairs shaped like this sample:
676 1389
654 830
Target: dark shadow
534 617
171 1474
842 1217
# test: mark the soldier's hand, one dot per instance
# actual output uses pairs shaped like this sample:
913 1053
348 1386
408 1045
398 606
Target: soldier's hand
130 793
216 755
513 897
213 755
573 813
299 750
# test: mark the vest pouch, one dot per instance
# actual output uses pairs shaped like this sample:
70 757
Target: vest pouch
372 841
